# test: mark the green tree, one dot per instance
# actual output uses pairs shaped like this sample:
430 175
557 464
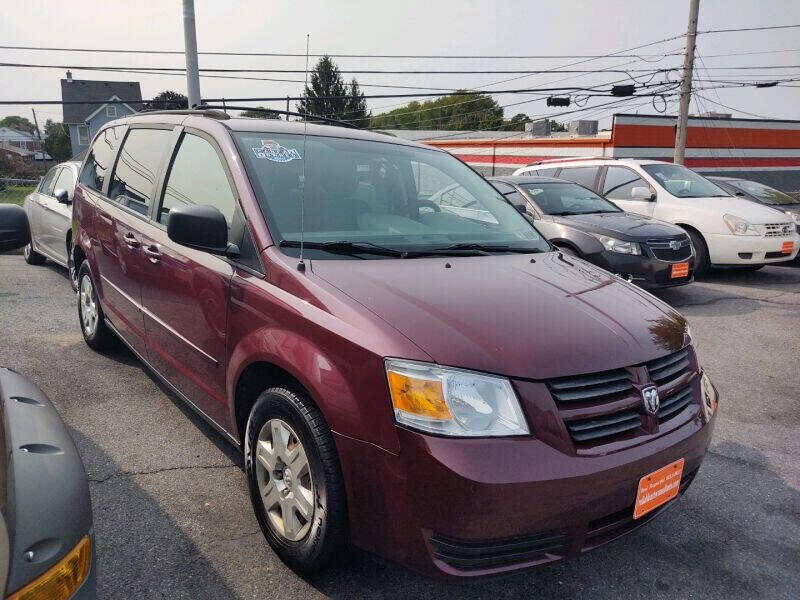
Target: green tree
257 114
556 126
517 122
167 100
328 95
56 142
461 111
18 123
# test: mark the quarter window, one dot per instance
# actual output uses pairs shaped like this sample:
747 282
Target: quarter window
83 135
585 176
620 182
98 163
546 172
134 180
197 177
46 187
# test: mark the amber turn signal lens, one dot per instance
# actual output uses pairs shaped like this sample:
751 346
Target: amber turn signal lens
61 580
421 397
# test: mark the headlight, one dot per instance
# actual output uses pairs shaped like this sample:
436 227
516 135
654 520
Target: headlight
794 216
453 402
739 226
709 398
614 245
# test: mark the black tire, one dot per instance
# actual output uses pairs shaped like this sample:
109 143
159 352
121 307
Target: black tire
701 261
32 257
327 532
100 337
71 270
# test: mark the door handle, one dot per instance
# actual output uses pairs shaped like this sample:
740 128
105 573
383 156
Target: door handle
131 241
153 255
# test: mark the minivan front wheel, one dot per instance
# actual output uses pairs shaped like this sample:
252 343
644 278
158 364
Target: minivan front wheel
701 261
295 480
90 315
31 256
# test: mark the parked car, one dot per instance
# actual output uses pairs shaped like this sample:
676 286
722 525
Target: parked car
725 230
763 194
46 537
49 209
643 250
443 390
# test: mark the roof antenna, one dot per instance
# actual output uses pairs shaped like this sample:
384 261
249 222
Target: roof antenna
301 266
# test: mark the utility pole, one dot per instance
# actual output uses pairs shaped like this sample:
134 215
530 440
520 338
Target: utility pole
39 135
686 84
287 107
190 43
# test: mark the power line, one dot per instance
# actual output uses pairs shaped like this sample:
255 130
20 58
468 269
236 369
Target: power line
765 28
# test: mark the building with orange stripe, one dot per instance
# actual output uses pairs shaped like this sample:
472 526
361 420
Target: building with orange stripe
760 149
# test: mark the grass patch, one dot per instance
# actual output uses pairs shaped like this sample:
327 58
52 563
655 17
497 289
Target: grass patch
15 194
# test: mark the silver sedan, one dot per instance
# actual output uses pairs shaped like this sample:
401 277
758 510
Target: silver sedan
49 210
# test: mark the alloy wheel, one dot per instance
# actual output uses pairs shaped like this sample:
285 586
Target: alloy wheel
284 480
26 251
88 302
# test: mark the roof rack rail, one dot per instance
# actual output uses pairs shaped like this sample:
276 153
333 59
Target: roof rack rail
210 112
310 116
568 158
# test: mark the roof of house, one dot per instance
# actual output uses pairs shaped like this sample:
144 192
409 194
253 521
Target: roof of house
88 93
15 149
8 134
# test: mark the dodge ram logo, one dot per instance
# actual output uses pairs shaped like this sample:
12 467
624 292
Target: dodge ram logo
674 245
650 399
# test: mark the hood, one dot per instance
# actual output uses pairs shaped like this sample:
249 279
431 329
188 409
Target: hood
744 208
505 314
626 226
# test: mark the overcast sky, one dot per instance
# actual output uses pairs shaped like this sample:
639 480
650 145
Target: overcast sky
502 27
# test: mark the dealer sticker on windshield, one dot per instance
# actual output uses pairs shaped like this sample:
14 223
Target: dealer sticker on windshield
272 150
658 488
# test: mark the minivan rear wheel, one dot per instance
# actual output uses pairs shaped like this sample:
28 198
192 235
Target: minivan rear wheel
32 257
295 480
90 314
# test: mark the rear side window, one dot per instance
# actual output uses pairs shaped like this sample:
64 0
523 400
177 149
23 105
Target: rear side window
65 181
583 175
46 186
546 172
135 175
98 163
197 177
620 182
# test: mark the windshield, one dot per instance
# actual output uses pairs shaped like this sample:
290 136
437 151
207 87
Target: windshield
763 192
381 197
682 182
567 199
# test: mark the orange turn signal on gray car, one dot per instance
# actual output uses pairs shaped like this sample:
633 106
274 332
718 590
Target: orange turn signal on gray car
61 580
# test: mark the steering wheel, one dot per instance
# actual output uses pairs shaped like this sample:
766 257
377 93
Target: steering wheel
428 204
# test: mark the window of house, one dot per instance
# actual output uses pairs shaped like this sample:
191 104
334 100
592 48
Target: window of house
582 175
111 110
83 135
134 180
197 177
98 162
620 182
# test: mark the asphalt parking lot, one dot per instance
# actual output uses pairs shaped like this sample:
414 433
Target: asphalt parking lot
173 520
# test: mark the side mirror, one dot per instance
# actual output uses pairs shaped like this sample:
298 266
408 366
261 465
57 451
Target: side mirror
642 193
61 195
14 229
200 227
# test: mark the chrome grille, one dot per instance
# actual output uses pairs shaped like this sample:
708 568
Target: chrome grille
778 229
664 249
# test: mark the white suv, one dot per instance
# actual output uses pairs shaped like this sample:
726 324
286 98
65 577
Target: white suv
725 229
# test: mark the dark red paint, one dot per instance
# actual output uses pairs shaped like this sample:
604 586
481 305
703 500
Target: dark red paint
201 322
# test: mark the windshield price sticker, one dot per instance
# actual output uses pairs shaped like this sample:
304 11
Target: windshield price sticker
272 150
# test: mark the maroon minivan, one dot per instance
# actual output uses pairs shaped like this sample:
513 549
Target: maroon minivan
404 360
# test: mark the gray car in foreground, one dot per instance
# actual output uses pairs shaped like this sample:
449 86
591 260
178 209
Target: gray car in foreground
49 210
46 538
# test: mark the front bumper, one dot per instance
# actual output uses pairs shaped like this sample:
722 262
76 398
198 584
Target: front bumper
468 508
726 249
644 270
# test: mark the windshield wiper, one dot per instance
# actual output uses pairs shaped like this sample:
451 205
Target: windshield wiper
484 249
345 247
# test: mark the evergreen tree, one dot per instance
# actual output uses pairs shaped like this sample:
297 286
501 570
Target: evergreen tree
328 95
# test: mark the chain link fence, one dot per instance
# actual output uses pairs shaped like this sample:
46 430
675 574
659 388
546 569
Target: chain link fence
14 190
